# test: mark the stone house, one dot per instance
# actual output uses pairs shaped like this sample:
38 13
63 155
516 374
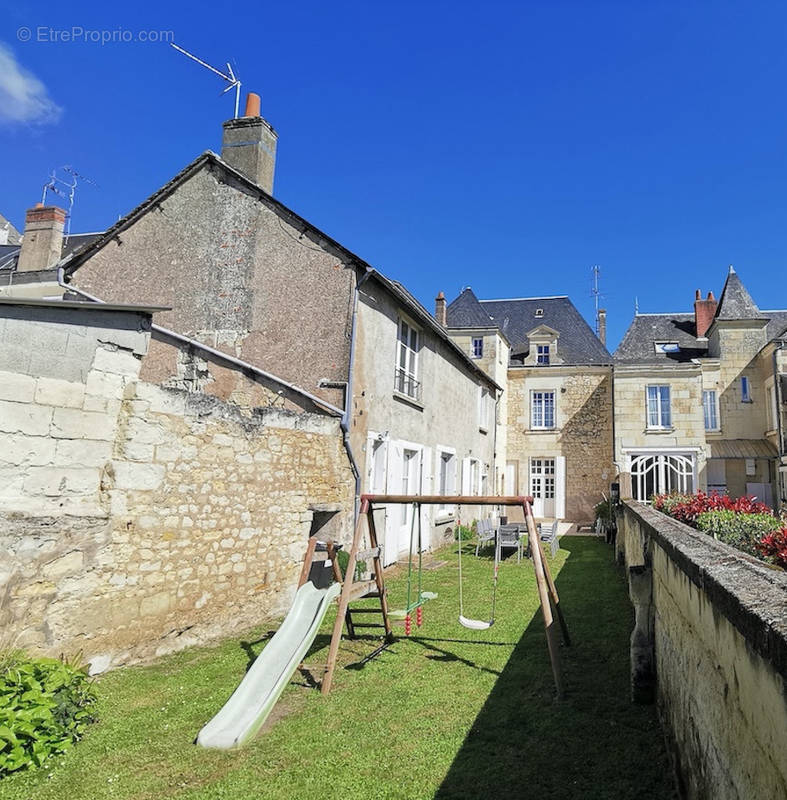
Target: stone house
244 275
699 399
557 411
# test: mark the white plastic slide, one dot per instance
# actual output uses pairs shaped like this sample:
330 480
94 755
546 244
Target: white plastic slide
250 704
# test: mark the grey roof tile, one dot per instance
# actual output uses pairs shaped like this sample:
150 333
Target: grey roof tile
638 345
466 312
735 302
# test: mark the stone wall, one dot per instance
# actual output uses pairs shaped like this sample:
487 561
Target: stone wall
138 518
711 644
583 432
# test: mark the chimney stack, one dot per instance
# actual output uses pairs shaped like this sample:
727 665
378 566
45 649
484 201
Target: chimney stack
704 312
42 242
602 326
439 309
249 145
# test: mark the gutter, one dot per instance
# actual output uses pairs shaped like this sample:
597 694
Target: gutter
318 401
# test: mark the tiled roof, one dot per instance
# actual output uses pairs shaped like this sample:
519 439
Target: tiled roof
9 253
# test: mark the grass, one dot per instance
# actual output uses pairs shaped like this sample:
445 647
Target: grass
448 713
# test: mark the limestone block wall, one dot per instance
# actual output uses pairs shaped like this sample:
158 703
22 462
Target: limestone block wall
718 642
137 519
583 432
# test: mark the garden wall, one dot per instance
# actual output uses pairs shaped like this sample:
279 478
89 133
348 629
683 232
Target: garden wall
711 643
136 518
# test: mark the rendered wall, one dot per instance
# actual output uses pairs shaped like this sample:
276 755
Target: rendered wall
718 634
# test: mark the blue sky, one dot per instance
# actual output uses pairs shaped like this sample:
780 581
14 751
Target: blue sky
505 146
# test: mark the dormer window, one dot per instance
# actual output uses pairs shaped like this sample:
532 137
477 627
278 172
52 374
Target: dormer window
542 344
542 354
539 312
667 347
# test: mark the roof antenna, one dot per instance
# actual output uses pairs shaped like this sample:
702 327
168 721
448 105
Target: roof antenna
233 82
65 186
595 293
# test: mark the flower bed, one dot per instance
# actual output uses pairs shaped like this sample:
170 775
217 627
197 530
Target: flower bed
743 523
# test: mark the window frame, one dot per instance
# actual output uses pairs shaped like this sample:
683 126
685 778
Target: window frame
543 354
708 409
538 402
484 396
659 397
477 347
407 364
746 389
447 456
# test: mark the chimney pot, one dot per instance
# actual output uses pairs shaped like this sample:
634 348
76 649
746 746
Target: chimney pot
698 295
42 242
440 309
252 105
704 312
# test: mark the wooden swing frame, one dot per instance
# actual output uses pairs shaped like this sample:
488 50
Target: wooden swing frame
352 590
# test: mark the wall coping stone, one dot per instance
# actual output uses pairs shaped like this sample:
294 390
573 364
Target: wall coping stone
749 593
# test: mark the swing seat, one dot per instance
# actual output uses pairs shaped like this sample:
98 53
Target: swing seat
475 624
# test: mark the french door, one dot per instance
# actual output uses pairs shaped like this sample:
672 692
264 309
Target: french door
542 486
661 473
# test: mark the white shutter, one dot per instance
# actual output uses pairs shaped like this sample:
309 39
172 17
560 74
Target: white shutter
427 478
466 489
560 487
393 512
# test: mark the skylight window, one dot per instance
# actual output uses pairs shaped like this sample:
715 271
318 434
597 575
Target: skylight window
539 312
667 347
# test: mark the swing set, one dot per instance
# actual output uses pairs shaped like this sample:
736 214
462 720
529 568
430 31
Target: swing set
354 590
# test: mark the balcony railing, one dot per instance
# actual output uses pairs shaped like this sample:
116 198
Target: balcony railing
406 384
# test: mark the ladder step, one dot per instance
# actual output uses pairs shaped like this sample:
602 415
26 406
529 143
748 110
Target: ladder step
373 594
368 625
364 611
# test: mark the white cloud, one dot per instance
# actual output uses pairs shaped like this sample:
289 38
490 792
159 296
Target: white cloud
23 98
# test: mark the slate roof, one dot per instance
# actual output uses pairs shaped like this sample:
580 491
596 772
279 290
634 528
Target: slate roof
638 345
735 302
13 233
516 318
467 312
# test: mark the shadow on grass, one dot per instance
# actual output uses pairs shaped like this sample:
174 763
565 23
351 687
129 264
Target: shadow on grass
593 744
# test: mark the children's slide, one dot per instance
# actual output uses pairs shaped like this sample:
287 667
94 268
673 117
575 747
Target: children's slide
250 704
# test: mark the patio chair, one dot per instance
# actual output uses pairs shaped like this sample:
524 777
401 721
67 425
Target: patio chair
485 533
509 537
547 532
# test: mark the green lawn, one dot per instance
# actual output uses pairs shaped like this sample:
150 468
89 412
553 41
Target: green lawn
448 713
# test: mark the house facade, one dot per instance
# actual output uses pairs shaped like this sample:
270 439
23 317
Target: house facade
699 399
558 398
242 274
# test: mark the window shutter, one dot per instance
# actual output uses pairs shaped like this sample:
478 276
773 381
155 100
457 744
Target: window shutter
560 487
426 488
466 490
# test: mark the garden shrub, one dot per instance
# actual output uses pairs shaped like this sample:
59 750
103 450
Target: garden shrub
45 706
744 531
773 547
464 532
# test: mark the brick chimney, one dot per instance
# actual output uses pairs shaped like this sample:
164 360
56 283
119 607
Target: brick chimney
704 312
42 242
439 309
602 326
249 145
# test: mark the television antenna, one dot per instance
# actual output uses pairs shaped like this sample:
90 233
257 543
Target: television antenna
596 293
233 82
63 182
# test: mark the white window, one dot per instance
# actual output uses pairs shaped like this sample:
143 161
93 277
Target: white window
447 477
484 481
667 347
745 390
406 377
471 479
379 452
542 354
409 478
661 473
659 413
542 409
542 478
483 408
710 410
478 347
